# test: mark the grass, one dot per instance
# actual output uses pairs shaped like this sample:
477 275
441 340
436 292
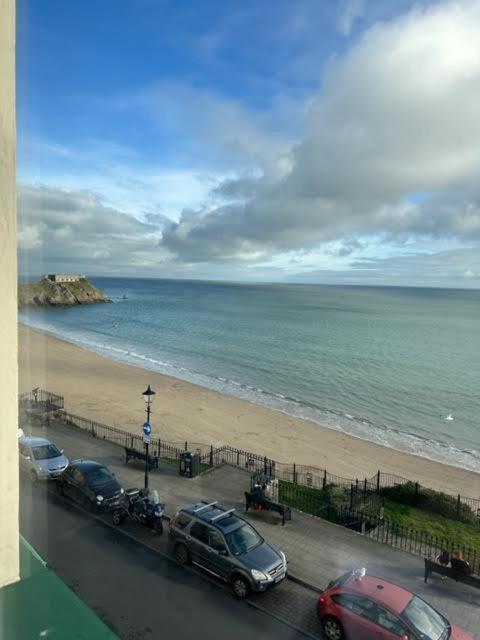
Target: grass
316 501
460 533
425 499
307 499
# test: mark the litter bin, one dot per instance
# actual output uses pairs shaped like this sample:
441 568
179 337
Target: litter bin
189 464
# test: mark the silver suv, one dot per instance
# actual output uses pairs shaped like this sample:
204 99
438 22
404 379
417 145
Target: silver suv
40 458
227 546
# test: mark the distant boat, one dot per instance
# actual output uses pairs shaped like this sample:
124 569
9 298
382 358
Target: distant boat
449 417
125 297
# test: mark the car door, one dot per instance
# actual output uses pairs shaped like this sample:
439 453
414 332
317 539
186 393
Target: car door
358 616
74 484
66 481
197 539
218 556
392 628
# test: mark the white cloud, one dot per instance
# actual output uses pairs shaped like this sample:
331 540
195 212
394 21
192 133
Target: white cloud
294 185
64 227
225 132
117 172
397 115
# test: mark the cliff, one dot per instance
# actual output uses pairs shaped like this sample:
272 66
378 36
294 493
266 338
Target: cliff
56 294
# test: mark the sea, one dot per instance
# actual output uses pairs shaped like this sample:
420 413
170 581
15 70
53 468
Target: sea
396 366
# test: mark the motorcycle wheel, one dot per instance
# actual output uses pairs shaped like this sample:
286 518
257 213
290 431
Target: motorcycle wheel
158 527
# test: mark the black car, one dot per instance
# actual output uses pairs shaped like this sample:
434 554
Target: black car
92 485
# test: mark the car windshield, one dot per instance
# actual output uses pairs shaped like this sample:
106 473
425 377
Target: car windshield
426 621
46 451
243 540
99 477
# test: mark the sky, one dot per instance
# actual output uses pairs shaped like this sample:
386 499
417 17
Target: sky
333 141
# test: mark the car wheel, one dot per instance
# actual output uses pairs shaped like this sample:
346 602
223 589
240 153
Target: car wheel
240 587
332 629
158 527
117 517
33 476
182 554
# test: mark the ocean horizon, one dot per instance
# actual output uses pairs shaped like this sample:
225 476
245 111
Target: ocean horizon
394 365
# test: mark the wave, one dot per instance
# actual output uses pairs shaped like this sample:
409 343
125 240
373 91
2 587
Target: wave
347 423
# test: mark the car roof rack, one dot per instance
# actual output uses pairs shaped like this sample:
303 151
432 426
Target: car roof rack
205 506
222 515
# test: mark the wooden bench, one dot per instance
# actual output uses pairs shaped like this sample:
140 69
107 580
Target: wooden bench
134 454
252 499
431 566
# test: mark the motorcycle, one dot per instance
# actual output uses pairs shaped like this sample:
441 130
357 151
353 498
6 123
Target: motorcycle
141 505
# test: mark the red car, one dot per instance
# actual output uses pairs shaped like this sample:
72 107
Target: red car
361 607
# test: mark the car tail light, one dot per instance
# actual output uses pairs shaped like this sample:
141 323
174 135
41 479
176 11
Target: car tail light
322 600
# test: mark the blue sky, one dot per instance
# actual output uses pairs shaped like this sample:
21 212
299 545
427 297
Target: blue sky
285 141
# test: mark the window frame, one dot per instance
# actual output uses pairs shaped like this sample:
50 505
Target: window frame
197 523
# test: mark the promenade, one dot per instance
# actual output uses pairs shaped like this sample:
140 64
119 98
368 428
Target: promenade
317 550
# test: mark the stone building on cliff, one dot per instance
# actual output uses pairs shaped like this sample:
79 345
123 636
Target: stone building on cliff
63 277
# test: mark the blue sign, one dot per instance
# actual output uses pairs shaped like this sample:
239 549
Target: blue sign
147 428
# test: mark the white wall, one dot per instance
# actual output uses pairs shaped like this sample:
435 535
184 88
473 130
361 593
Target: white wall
8 315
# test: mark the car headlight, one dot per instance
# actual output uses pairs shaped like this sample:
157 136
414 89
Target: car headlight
99 498
258 575
284 558
122 490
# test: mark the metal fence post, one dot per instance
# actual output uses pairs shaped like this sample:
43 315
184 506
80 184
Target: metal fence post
378 481
294 473
351 496
186 446
458 506
211 455
364 489
324 482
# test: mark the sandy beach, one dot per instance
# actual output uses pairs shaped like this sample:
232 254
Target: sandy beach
111 392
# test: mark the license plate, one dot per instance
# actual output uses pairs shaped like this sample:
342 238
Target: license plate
280 577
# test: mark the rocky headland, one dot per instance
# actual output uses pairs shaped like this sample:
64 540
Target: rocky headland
47 292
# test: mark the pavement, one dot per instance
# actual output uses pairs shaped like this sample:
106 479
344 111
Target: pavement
317 551
138 593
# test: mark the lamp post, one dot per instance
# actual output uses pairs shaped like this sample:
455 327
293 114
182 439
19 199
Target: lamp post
148 396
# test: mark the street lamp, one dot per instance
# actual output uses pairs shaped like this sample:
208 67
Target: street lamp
148 396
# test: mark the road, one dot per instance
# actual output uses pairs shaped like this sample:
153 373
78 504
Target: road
139 594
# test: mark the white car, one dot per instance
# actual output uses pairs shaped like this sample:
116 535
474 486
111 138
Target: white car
40 458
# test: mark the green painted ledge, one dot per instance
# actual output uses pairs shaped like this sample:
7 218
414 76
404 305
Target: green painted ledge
41 606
